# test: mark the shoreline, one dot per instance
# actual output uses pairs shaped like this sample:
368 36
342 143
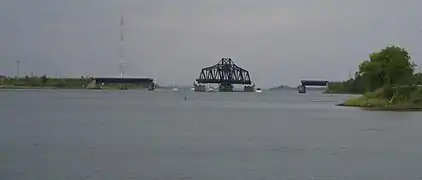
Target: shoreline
33 87
342 93
381 105
3 87
374 108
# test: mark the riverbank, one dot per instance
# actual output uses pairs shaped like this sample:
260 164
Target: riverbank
105 87
375 102
61 83
30 87
336 92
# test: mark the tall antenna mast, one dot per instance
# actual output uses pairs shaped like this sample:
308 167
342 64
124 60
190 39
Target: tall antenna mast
121 45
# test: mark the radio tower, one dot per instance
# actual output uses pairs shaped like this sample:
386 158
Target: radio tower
121 46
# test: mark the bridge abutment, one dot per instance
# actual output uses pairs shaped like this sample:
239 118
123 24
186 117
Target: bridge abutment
302 89
249 88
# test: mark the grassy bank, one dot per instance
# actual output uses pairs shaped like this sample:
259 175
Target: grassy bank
340 92
58 83
25 87
105 87
40 82
395 100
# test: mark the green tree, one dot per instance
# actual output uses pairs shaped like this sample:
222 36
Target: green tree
417 78
391 67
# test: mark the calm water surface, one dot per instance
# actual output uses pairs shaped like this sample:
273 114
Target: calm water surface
112 135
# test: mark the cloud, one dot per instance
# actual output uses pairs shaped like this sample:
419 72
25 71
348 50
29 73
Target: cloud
280 42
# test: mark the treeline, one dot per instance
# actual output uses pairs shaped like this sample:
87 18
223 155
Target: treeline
391 67
60 83
358 85
44 81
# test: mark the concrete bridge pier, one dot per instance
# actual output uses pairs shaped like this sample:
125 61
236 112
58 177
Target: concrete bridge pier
302 89
151 86
225 87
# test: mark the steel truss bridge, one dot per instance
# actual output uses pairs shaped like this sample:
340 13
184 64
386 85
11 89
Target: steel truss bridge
226 73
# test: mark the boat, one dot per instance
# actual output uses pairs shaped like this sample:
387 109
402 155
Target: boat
211 89
258 90
174 85
198 87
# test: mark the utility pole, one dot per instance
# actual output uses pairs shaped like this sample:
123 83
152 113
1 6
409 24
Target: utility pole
17 69
122 42
122 54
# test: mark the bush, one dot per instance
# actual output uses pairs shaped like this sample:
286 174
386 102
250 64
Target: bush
60 83
416 96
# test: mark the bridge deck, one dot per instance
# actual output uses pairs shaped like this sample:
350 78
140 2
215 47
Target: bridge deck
314 83
123 80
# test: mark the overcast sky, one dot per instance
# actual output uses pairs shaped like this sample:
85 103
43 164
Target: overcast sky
278 41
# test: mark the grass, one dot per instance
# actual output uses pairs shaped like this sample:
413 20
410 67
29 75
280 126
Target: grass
29 87
58 83
375 101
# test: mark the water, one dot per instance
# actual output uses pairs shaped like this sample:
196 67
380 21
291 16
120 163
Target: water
107 135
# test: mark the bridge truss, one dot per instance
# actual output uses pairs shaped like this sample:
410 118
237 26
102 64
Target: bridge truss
226 73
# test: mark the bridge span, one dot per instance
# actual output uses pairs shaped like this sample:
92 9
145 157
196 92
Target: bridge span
148 82
226 73
132 80
304 83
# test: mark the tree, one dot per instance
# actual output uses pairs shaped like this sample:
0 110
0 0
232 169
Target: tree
391 67
417 78
44 79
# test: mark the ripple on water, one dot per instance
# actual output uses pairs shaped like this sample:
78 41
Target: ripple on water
146 135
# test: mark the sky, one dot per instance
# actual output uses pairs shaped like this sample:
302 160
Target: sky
277 41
